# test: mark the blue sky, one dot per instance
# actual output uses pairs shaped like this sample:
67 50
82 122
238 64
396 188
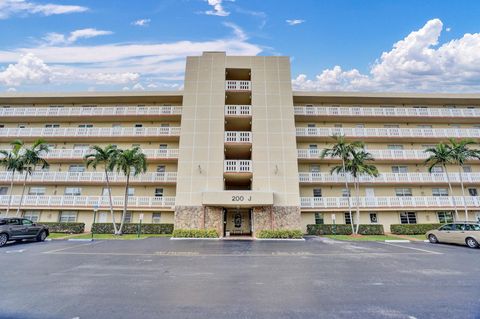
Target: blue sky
384 45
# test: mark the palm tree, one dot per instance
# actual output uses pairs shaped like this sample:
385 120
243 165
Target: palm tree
106 157
440 155
357 166
31 158
343 150
11 161
130 161
461 153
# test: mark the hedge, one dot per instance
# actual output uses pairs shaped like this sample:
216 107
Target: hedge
68 228
281 233
132 228
342 229
412 229
195 233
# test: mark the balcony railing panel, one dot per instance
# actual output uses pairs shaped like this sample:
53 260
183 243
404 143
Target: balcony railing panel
80 153
238 85
89 132
238 166
377 154
91 111
238 137
238 110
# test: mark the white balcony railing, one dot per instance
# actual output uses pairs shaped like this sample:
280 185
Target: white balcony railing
238 137
80 153
384 111
435 178
238 166
424 202
91 177
377 154
238 85
89 132
90 111
388 132
88 201
238 110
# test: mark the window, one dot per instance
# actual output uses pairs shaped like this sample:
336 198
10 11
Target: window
345 192
105 191
161 169
337 125
315 168
395 147
156 218
348 220
439 192
164 125
128 217
318 218
76 168
73 191
408 218
34 216
313 146
447 227
85 125
3 190
360 125
131 191
311 125
403 192
467 169
445 217
473 192
399 169
158 192
425 146
21 125
391 126
27 222
81 146
116 126
68 217
138 125
373 218
437 169
163 146
36 190
317 192
424 126
455 125
52 125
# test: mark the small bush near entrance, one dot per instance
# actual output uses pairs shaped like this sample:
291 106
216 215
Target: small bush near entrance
342 229
67 228
195 233
412 229
281 234
107 228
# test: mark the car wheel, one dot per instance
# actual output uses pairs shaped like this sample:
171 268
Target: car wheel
3 239
432 238
42 236
471 242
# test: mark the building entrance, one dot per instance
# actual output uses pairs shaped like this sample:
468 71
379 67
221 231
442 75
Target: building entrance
237 222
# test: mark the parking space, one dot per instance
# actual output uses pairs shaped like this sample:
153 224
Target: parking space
158 277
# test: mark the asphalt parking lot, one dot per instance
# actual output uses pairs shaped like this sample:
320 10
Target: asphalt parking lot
162 278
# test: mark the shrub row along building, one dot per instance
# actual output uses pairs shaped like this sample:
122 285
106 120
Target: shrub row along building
239 152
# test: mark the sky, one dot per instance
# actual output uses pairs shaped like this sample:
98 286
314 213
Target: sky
341 45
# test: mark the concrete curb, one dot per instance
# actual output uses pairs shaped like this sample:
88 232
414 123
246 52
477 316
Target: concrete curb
426 241
279 239
80 239
397 241
176 238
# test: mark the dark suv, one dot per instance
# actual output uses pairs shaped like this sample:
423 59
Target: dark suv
21 228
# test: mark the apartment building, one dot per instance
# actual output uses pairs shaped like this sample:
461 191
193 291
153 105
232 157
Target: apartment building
237 150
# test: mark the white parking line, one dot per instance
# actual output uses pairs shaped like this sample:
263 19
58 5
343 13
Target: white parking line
413 248
70 247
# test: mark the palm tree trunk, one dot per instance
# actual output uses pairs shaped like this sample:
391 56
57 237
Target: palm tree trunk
348 193
451 192
125 203
23 193
10 194
463 192
357 217
111 202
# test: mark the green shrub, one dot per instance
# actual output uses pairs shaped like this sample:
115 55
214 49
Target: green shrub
342 229
412 229
130 228
281 234
67 228
195 233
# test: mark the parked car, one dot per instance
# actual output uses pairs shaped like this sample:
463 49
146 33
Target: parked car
19 229
464 233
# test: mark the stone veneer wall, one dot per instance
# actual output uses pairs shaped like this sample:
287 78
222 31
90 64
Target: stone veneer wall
284 217
214 219
188 217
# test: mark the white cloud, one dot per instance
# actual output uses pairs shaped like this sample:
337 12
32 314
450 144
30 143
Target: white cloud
58 38
29 70
9 8
11 90
295 21
217 7
416 63
138 87
141 22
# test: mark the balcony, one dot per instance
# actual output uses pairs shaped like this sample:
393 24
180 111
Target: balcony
87 202
390 203
238 166
95 133
238 86
391 178
72 178
238 110
78 154
378 154
81 111
325 133
380 113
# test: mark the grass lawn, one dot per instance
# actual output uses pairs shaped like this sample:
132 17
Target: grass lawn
419 237
361 238
61 235
123 237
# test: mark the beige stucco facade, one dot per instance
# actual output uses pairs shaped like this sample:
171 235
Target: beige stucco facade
238 151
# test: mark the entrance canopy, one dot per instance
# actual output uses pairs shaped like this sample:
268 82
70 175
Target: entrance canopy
237 198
